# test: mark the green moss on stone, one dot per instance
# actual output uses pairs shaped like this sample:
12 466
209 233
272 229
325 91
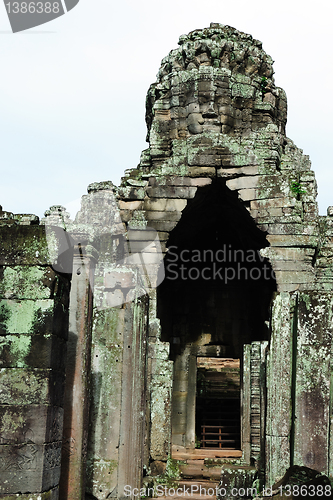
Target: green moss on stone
16 348
100 476
106 321
4 317
24 245
26 316
24 386
172 472
26 282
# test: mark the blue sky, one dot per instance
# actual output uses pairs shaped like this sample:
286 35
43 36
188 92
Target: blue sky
72 92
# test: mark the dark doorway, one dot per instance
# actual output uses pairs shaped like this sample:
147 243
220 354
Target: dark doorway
218 403
215 298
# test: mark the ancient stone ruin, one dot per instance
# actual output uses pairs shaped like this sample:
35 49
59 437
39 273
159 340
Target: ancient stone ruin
181 326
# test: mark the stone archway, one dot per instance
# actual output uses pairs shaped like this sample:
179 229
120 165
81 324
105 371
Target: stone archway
214 300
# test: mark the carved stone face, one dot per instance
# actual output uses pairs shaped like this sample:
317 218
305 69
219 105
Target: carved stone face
219 81
213 100
204 113
208 107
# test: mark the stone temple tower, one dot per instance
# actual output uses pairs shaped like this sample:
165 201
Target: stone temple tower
211 349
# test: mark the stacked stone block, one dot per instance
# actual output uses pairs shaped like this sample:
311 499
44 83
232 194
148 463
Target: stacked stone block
34 328
107 362
214 117
201 126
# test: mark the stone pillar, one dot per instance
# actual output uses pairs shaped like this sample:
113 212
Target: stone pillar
133 397
313 367
160 397
33 334
258 403
160 380
246 405
179 398
279 388
104 415
118 368
254 404
191 402
73 465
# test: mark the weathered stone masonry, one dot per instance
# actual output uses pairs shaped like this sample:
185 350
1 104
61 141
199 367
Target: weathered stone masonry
219 173
34 329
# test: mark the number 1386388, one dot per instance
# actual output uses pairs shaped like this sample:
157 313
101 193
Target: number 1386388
33 7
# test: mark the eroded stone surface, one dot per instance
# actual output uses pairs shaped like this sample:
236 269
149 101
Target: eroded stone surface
219 171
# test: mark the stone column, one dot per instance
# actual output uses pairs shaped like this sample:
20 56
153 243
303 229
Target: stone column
191 402
118 402
160 381
246 404
179 398
258 403
133 397
313 374
254 403
74 451
279 388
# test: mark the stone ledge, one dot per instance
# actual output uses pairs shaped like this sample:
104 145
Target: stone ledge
155 215
298 240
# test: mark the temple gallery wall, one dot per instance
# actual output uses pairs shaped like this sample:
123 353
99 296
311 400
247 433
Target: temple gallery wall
183 320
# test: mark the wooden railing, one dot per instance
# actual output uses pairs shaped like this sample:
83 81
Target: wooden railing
216 436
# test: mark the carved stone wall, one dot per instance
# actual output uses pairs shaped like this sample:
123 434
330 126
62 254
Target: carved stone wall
219 175
34 330
216 120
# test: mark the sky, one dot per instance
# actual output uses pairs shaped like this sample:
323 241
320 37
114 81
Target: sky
72 91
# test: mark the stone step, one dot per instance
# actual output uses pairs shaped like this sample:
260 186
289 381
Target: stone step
180 453
192 470
200 471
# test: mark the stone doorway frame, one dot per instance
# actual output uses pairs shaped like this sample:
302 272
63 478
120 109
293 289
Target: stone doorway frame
209 351
253 402
238 400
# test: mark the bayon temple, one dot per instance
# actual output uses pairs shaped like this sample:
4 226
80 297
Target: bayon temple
179 330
